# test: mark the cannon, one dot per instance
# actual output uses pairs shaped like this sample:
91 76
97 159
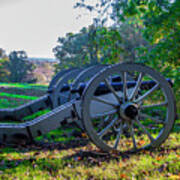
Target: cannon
125 107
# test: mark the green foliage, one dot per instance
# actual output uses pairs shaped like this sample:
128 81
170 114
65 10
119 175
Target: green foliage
108 41
77 50
159 22
99 44
3 71
93 45
19 69
161 28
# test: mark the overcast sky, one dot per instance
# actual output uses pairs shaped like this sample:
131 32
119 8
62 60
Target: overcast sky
35 25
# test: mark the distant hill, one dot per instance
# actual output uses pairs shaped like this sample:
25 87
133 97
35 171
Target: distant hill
41 60
44 69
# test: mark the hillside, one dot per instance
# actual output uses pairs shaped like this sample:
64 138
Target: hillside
44 69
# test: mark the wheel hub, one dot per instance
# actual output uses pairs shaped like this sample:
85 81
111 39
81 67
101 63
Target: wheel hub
128 110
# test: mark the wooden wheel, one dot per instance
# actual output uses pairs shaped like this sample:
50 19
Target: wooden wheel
129 118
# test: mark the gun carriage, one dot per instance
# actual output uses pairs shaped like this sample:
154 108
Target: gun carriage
123 107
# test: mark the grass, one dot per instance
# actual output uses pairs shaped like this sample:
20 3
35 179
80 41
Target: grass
37 114
14 95
24 86
18 96
9 103
61 156
63 162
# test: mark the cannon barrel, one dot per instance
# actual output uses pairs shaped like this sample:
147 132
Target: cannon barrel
118 86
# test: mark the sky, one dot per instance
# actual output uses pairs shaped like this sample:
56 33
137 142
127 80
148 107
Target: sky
35 25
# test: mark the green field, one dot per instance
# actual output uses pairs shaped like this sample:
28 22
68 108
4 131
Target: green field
24 86
60 156
18 96
13 95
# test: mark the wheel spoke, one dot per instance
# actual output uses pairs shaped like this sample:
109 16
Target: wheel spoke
105 114
145 130
103 101
155 105
102 121
141 98
133 137
118 136
112 89
108 118
105 130
152 118
135 90
125 85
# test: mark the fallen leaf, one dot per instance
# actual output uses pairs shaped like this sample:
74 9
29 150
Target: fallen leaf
120 165
158 158
123 176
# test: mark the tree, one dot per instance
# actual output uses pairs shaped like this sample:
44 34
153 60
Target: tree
159 21
132 40
2 53
18 67
90 46
99 44
76 50
3 71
